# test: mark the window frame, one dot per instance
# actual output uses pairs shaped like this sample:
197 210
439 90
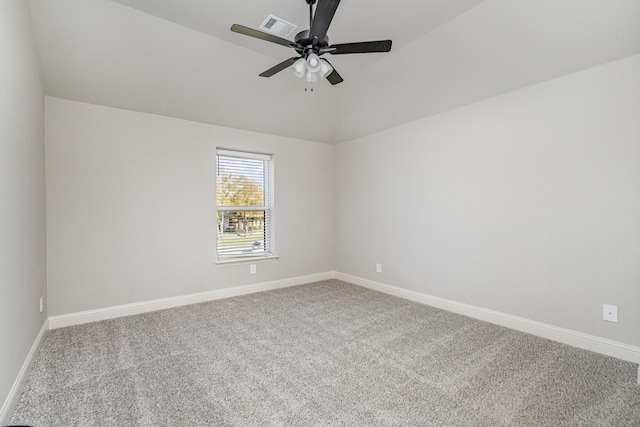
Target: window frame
269 252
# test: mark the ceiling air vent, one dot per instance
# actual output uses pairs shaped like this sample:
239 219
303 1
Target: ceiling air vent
277 26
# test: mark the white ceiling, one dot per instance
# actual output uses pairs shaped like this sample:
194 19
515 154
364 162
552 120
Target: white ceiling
179 58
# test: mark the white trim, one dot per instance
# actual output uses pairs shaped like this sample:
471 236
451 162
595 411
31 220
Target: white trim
566 336
243 208
79 318
16 390
243 154
246 260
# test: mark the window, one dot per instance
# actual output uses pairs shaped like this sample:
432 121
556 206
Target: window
244 201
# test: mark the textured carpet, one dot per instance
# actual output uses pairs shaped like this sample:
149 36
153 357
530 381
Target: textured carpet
327 353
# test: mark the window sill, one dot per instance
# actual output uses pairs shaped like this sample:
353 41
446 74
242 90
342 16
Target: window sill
236 261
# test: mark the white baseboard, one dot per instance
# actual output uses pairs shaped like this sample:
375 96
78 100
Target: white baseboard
79 318
565 336
16 390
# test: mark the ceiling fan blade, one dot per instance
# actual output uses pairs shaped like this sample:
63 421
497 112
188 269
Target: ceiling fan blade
322 18
334 78
361 47
241 29
281 66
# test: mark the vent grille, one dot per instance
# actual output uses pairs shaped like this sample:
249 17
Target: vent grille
277 26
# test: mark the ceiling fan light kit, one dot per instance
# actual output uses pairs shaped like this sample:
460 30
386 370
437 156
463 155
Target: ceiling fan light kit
311 77
325 68
312 43
313 63
299 67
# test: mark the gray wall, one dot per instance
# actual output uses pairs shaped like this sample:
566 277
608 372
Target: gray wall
22 192
131 207
527 203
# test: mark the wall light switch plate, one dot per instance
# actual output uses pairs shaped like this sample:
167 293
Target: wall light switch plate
609 313
378 268
252 269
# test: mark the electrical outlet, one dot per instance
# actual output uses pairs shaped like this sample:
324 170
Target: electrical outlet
252 269
378 267
41 304
610 313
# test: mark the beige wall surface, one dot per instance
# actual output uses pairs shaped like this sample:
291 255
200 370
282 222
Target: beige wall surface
131 207
22 188
527 203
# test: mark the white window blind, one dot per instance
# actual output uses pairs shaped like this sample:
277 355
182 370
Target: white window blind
244 200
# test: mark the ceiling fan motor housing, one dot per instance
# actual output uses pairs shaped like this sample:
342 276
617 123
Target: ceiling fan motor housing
303 40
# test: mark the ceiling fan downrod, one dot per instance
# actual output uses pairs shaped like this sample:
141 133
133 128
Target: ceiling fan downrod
310 3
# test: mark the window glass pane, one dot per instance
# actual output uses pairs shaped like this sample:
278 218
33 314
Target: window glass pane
243 233
240 182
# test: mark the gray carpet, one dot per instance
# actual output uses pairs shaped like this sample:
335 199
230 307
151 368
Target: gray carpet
327 353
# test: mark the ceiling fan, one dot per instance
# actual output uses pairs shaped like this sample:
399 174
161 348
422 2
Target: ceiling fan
313 43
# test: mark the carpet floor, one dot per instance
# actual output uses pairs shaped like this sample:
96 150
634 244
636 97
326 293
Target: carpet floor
324 354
